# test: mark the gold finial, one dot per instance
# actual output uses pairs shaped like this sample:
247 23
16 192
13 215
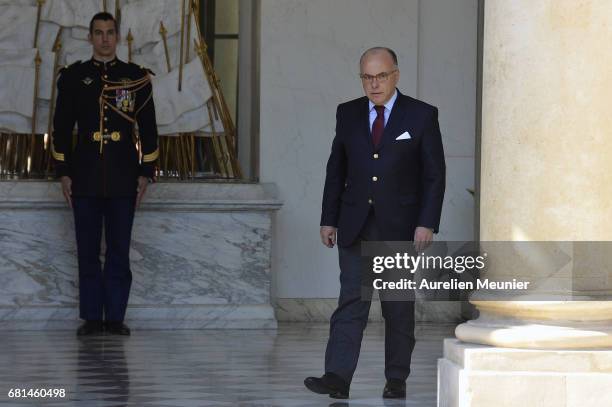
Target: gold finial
130 38
57 44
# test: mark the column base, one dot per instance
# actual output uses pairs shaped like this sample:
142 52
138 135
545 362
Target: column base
540 324
536 336
472 375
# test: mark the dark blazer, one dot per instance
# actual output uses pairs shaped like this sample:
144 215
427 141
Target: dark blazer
403 180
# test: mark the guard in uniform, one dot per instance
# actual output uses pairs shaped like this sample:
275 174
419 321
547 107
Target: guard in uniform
104 168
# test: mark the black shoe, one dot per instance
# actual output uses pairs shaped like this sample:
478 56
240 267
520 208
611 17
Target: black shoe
90 328
329 383
395 389
117 328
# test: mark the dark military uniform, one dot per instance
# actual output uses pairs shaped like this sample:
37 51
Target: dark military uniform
107 101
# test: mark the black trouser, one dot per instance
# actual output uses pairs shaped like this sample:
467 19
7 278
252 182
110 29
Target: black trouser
103 293
350 318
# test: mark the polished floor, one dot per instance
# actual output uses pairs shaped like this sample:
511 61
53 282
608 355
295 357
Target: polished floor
253 368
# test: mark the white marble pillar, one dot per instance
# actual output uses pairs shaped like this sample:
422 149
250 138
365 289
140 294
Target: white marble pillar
546 175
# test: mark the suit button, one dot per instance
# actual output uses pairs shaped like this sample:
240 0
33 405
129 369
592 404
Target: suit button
105 107
375 156
105 76
374 179
105 130
106 119
370 201
105 141
106 86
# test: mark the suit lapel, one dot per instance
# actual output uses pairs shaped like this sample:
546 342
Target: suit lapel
395 122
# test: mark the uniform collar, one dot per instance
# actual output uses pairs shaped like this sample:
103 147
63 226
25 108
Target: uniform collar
99 64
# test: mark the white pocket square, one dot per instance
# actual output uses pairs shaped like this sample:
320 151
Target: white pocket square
404 136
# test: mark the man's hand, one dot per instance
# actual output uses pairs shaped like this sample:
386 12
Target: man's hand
422 238
143 182
328 236
67 189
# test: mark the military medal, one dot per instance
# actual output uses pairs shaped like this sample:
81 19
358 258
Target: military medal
124 99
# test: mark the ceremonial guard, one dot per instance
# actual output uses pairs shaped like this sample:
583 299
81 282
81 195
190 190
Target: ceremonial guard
104 169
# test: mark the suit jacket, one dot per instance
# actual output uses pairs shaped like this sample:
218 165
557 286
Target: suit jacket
403 180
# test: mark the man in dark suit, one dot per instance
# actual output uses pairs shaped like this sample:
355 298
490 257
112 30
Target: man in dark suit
385 182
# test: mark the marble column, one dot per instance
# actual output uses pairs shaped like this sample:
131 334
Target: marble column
546 176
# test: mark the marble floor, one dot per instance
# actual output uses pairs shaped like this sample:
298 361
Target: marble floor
253 368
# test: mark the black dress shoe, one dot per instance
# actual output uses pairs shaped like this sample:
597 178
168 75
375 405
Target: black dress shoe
395 389
329 383
117 328
90 328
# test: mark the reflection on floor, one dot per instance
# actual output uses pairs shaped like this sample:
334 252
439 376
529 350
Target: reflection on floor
204 368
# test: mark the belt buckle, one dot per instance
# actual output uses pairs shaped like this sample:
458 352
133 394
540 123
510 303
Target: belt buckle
114 136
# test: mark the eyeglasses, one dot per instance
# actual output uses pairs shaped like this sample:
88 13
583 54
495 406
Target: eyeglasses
381 77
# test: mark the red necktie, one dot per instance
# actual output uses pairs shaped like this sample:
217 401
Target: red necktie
379 125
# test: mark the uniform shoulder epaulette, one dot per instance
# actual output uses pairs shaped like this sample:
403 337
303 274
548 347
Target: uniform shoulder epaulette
67 67
143 69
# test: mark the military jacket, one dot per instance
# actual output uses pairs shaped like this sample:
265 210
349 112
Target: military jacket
111 104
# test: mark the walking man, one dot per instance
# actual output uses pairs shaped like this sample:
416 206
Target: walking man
385 182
